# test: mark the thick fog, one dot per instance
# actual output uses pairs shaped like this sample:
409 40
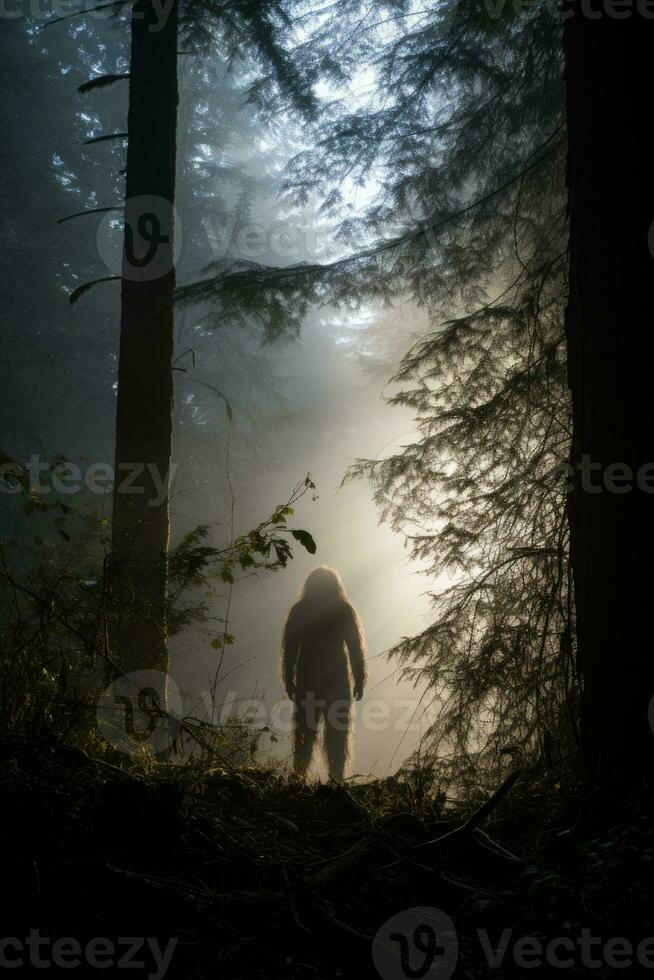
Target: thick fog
309 404
335 415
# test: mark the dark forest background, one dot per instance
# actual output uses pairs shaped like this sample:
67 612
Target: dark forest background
401 328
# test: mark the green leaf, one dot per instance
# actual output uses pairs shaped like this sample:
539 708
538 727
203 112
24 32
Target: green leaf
217 644
100 81
305 540
217 392
79 292
81 214
105 138
13 471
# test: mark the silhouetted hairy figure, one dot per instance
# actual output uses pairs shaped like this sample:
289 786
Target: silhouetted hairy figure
315 669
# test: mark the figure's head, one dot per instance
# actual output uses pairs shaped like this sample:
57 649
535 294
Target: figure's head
323 583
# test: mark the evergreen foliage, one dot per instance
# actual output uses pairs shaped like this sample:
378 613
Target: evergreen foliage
461 150
465 138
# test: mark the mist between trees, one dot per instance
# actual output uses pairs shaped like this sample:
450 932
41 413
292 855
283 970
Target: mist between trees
324 340
445 275
426 147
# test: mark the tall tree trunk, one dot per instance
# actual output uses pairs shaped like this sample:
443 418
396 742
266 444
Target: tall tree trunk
609 330
141 524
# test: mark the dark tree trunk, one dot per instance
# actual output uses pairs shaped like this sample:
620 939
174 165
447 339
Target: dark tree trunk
609 328
140 533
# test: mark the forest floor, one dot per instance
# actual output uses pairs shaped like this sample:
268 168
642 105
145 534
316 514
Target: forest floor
255 875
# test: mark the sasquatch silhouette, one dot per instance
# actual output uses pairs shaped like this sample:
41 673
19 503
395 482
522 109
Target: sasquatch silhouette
323 669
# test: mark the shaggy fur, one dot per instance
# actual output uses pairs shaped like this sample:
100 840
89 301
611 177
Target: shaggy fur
323 668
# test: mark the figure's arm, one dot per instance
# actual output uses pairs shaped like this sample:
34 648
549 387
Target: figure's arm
356 649
290 652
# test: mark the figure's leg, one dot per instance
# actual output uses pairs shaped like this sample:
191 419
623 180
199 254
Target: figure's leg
306 718
337 737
